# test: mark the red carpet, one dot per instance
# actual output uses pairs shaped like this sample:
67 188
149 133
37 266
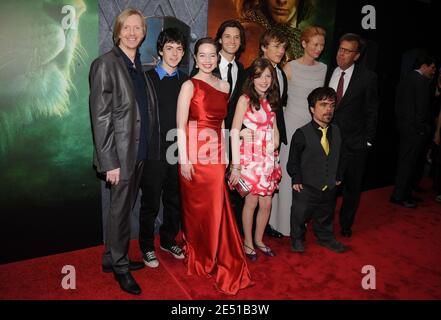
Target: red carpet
403 245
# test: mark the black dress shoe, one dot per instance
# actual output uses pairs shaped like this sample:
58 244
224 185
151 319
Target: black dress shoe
133 266
347 233
298 246
404 203
272 232
127 282
416 199
333 245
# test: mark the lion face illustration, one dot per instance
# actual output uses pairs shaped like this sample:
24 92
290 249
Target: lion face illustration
39 42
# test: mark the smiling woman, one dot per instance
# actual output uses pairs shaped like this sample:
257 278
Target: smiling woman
36 61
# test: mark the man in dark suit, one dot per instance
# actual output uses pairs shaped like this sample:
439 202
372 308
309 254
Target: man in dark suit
230 37
273 46
125 129
356 116
413 122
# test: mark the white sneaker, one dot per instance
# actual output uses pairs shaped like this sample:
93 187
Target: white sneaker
150 259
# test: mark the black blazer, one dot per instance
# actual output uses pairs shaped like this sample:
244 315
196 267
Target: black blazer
235 94
115 116
279 112
356 114
412 105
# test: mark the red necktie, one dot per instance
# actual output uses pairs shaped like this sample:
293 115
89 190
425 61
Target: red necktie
340 87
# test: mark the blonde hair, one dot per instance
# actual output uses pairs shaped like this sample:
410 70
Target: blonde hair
310 32
121 18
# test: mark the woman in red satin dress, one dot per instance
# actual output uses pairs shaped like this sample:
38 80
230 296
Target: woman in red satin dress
213 244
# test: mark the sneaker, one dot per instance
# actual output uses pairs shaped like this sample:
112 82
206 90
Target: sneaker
150 259
175 251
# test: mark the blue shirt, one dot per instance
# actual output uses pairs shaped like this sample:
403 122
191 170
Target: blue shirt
163 73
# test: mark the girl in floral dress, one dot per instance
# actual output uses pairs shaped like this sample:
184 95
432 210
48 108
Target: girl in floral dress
254 157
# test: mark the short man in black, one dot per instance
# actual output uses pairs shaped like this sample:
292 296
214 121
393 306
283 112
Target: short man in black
160 177
313 164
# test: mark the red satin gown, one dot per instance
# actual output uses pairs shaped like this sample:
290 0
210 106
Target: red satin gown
213 244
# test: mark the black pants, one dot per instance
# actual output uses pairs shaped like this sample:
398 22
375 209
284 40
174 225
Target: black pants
411 146
122 200
354 164
237 202
316 205
158 178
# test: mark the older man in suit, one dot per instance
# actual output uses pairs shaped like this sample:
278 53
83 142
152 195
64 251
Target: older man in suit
356 116
413 122
125 126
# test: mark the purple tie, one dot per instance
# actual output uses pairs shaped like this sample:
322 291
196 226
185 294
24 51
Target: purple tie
340 87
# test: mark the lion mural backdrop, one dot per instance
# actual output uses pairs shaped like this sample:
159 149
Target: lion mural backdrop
46 180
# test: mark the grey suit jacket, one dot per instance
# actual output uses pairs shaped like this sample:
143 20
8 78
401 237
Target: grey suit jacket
115 117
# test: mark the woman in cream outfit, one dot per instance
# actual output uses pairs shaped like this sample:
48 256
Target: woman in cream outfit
304 74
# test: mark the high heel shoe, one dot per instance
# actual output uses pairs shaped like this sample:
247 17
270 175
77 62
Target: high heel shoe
253 255
266 250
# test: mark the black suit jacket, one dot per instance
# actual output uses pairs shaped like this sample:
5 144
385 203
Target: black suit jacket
279 112
115 117
412 105
235 94
356 114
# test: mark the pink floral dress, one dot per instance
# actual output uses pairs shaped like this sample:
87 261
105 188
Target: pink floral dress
259 161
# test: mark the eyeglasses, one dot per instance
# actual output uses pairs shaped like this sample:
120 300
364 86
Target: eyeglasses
345 51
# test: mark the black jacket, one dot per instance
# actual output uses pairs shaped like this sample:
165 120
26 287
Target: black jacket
412 105
356 114
115 116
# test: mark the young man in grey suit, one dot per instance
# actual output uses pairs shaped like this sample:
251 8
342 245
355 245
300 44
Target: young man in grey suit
356 115
125 129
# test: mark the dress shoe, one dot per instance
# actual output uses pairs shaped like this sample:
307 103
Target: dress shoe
333 245
127 282
252 255
416 199
133 266
347 233
270 231
404 203
266 250
298 246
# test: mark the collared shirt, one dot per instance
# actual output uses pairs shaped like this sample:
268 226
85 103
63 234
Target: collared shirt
279 78
163 73
333 83
138 80
223 68
298 144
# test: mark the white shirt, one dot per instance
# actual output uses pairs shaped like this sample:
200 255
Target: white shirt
333 83
223 68
280 79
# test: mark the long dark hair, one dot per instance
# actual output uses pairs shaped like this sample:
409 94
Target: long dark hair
201 41
272 94
231 24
